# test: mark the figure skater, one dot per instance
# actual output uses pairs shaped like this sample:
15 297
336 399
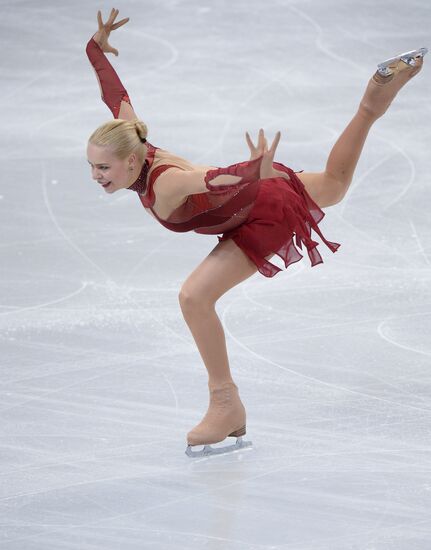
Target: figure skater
259 207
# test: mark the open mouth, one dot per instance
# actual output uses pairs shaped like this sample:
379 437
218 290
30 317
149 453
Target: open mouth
106 184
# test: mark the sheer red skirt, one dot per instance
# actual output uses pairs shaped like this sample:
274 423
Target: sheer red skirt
282 216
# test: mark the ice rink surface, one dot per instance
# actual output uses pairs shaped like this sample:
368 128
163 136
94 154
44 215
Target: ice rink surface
100 376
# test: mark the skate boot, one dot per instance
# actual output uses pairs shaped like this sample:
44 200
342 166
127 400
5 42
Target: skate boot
390 77
224 418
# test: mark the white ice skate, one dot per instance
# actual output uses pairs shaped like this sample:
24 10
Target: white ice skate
388 67
225 417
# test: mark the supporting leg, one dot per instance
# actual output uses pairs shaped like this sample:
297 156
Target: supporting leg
225 267
209 336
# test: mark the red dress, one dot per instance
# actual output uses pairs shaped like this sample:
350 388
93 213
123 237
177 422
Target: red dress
262 216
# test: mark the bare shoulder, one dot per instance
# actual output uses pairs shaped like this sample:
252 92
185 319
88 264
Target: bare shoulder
162 156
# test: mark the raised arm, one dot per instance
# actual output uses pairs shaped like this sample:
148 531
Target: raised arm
112 90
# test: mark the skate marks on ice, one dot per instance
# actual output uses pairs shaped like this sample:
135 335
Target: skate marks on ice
420 248
312 379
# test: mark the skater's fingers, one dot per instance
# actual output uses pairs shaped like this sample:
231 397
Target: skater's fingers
261 141
112 16
108 21
250 143
99 20
275 142
110 49
120 23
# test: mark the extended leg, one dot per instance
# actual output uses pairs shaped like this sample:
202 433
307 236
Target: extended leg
345 154
329 187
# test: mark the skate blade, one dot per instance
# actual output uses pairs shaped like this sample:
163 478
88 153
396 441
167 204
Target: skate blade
407 57
208 450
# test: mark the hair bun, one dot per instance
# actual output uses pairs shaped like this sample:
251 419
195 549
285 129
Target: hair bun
141 130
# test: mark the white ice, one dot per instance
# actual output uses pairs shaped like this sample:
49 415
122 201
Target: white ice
100 377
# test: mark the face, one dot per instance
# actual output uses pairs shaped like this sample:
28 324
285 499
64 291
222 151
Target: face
108 170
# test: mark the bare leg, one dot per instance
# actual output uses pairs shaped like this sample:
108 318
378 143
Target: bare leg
329 187
345 154
208 333
225 267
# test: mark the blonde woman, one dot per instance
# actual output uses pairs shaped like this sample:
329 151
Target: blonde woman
259 207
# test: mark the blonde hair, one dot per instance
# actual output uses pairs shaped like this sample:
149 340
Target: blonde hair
123 137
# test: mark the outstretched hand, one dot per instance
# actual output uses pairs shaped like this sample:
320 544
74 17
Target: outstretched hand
102 35
266 170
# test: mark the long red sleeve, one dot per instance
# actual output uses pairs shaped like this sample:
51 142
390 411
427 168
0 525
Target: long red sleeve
113 91
249 171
